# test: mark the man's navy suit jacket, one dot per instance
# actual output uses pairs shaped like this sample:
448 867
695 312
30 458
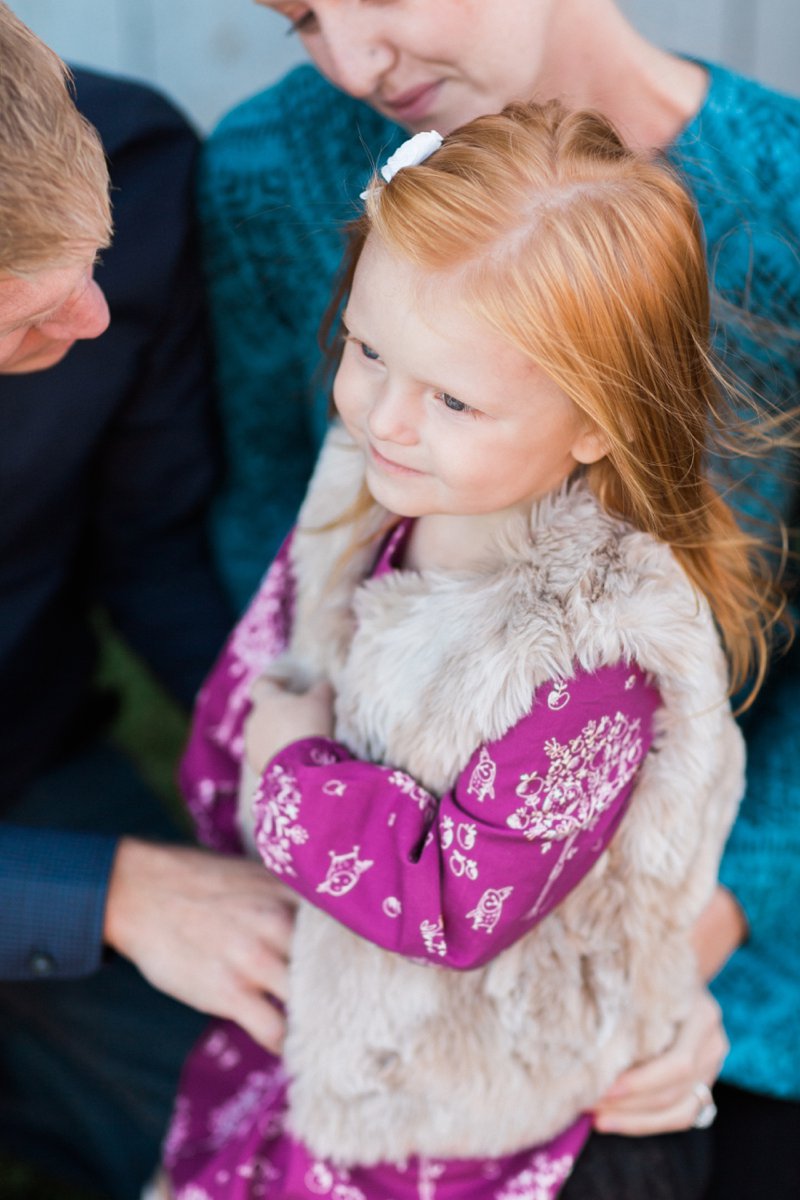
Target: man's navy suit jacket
106 466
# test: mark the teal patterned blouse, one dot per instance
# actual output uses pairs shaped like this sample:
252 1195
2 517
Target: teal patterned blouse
280 178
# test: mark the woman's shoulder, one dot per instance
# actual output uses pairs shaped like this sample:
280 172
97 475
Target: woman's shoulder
300 119
743 144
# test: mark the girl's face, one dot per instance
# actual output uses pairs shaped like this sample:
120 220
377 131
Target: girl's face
428 63
451 417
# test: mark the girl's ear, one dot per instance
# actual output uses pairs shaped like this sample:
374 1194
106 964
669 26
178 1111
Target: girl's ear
590 445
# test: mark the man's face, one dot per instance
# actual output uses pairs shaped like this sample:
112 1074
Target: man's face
45 313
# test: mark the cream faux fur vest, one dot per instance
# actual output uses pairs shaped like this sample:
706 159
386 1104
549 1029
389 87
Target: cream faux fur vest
389 1057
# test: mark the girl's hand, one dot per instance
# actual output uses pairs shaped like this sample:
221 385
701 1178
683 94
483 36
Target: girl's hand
279 717
659 1096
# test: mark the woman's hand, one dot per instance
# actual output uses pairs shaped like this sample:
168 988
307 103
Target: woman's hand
660 1096
720 929
279 717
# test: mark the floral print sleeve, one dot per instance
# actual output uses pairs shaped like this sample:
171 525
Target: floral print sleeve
456 880
209 774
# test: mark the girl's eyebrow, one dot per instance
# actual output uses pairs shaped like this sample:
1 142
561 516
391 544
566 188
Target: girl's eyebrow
346 323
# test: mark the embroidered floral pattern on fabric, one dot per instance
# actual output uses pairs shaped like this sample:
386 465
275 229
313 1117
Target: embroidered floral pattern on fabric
481 783
409 787
206 799
584 778
322 758
465 835
430 1171
487 912
559 696
236 1114
540 1180
179 1130
433 937
344 872
258 639
322 1179
334 787
277 806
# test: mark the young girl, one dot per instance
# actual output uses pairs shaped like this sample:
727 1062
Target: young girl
510 568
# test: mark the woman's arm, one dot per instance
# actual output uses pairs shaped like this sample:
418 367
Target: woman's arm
454 881
262 360
748 915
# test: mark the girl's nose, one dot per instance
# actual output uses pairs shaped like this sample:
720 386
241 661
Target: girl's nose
358 54
391 418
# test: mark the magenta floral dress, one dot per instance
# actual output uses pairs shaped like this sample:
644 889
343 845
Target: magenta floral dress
450 881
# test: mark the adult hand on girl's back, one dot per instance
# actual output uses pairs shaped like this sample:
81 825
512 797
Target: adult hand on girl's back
279 717
211 930
660 1096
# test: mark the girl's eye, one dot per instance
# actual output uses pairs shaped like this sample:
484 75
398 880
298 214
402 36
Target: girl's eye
453 404
368 352
305 24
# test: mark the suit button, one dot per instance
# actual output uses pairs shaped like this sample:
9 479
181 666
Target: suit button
41 964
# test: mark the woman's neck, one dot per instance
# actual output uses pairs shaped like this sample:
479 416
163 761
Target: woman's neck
598 60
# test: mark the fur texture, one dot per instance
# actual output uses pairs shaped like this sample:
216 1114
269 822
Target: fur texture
427 666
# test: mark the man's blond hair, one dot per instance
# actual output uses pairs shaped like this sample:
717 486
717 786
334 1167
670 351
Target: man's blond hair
54 205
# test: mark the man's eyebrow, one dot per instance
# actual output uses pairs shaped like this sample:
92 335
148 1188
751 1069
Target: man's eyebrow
16 322
27 318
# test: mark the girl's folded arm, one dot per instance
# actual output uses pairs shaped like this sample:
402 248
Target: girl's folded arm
455 880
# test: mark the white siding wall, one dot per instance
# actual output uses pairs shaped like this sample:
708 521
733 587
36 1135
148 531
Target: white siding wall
208 54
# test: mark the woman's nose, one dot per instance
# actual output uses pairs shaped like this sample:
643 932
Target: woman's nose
358 55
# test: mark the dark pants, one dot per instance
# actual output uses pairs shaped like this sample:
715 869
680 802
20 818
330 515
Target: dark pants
756 1147
89 1067
671 1166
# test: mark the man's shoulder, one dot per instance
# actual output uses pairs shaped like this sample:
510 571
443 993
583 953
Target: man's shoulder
126 110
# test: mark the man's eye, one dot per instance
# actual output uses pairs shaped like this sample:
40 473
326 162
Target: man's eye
453 404
368 352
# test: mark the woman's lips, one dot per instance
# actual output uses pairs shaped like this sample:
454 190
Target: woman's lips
413 104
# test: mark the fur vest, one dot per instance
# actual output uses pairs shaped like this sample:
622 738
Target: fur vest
426 666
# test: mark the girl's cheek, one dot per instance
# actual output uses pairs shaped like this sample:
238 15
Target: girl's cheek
345 397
